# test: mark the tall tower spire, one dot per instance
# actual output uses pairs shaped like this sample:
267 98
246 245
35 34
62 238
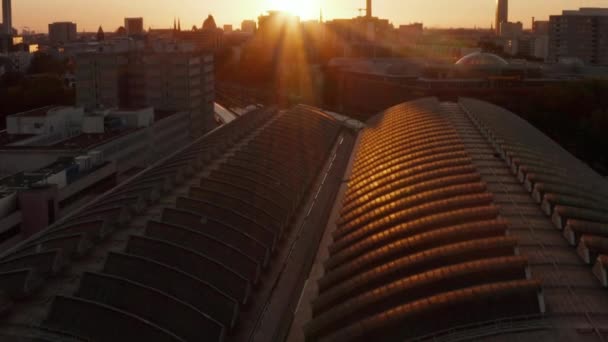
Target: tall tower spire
174 24
502 13
179 24
368 9
7 17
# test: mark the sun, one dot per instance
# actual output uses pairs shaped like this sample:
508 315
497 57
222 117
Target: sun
305 9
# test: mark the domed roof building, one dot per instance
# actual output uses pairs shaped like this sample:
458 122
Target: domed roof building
482 59
209 23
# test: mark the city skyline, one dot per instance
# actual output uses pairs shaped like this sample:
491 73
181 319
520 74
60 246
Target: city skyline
472 13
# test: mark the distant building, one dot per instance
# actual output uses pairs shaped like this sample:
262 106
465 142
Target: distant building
101 36
209 40
361 37
541 47
502 14
540 27
178 81
62 32
228 28
20 60
101 80
209 23
7 17
410 33
167 77
511 30
581 34
249 26
134 26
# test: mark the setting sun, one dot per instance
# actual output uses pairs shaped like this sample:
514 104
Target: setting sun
305 9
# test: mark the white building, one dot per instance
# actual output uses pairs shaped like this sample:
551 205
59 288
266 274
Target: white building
46 121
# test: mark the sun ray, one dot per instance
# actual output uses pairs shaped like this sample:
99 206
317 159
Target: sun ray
305 9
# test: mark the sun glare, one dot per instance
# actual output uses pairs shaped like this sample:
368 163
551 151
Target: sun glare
305 9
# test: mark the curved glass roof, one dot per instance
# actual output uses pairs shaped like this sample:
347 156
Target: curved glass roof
482 59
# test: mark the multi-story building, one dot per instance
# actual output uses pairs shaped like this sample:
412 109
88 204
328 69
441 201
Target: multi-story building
248 26
134 26
540 27
180 81
410 33
581 34
62 32
511 30
168 77
101 80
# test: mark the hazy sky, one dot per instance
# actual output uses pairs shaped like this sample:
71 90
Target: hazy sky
89 14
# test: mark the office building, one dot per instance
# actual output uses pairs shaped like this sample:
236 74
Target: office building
7 17
540 27
228 28
434 221
101 80
249 26
168 77
502 14
134 26
62 32
511 30
171 81
581 35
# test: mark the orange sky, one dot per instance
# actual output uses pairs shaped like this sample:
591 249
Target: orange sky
89 14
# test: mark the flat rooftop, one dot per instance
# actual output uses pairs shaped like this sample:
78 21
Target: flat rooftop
89 140
6 139
42 111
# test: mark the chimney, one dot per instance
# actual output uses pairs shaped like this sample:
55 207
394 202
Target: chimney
369 9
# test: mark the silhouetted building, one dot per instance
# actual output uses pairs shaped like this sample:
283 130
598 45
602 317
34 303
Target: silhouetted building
540 27
228 28
101 36
203 40
7 17
249 26
511 30
409 34
502 14
134 26
361 37
209 23
121 31
581 34
62 32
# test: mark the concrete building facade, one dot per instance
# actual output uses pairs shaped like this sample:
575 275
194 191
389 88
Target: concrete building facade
101 80
62 32
581 34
